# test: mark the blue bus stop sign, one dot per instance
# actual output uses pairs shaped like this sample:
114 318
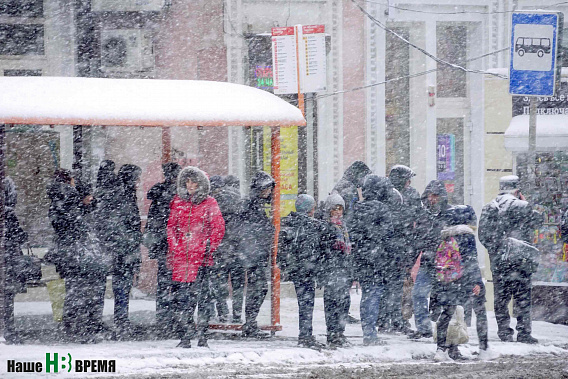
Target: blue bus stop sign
535 37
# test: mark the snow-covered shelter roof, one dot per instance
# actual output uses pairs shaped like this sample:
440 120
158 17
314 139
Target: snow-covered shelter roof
140 102
551 133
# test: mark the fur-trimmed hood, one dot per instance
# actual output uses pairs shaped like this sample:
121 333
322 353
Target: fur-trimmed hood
331 201
456 230
198 176
10 193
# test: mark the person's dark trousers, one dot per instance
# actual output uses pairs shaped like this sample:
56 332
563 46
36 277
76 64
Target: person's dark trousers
478 305
442 325
336 302
83 295
10 334
187 297
98 292
237 275
220 282
468 310
122 280
420 293
518 286
305 293
165 317
257 288
371 294
390 310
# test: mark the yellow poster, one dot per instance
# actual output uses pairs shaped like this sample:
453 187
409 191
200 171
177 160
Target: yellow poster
288 165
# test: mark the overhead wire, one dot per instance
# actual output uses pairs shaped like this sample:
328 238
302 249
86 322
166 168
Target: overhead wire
455 12
410 76
452 65
423 51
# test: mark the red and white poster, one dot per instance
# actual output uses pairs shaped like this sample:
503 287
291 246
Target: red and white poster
309 63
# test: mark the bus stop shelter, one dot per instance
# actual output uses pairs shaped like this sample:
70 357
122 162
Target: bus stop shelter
79 102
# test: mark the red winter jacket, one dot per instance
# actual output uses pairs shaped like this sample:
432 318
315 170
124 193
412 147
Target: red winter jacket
187 251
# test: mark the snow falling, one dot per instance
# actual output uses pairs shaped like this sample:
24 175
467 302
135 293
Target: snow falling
268 188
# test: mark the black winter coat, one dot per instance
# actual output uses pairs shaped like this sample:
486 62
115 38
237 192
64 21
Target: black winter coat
255 228
429 226
372 232
404 218
300 246
230 204
161 195
66 213
348 184
15 237
127 256
106 215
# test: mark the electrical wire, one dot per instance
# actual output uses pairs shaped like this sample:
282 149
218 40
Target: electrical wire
455 12
432 56
402 77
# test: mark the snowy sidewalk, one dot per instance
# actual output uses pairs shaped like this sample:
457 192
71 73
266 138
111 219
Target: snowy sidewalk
162 357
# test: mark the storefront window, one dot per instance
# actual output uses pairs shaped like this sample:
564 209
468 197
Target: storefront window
450 166
397 101
451 46
549 194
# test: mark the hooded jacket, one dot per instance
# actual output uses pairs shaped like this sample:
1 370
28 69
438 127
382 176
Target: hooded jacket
195 227
372 231
430 224
107 209
129 226
300 246
348 184
67 219
256 230
161 195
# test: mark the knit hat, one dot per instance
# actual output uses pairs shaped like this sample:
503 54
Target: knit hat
305 203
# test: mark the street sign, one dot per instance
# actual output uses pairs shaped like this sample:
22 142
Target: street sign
312 58
535 37
285 60
299 59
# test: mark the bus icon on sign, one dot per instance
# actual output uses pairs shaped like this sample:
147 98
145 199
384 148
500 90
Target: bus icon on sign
531 45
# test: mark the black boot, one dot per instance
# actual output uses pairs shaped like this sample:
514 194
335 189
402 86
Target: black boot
455 354
184 343
202 342
310 343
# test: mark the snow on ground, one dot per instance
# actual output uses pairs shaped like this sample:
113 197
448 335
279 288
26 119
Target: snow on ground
152 357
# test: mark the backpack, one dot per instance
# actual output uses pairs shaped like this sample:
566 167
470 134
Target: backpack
287 246
448 261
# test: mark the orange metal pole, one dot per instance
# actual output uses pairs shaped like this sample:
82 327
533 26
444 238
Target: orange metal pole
166 144
275 163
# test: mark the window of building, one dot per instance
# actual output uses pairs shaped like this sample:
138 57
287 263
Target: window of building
451 46
21 39
22 72
21 8
450 157
397 100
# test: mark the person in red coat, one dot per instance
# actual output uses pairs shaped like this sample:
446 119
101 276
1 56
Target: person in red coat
195 230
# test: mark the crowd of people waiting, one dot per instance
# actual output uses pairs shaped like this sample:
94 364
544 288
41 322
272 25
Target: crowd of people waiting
371 230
